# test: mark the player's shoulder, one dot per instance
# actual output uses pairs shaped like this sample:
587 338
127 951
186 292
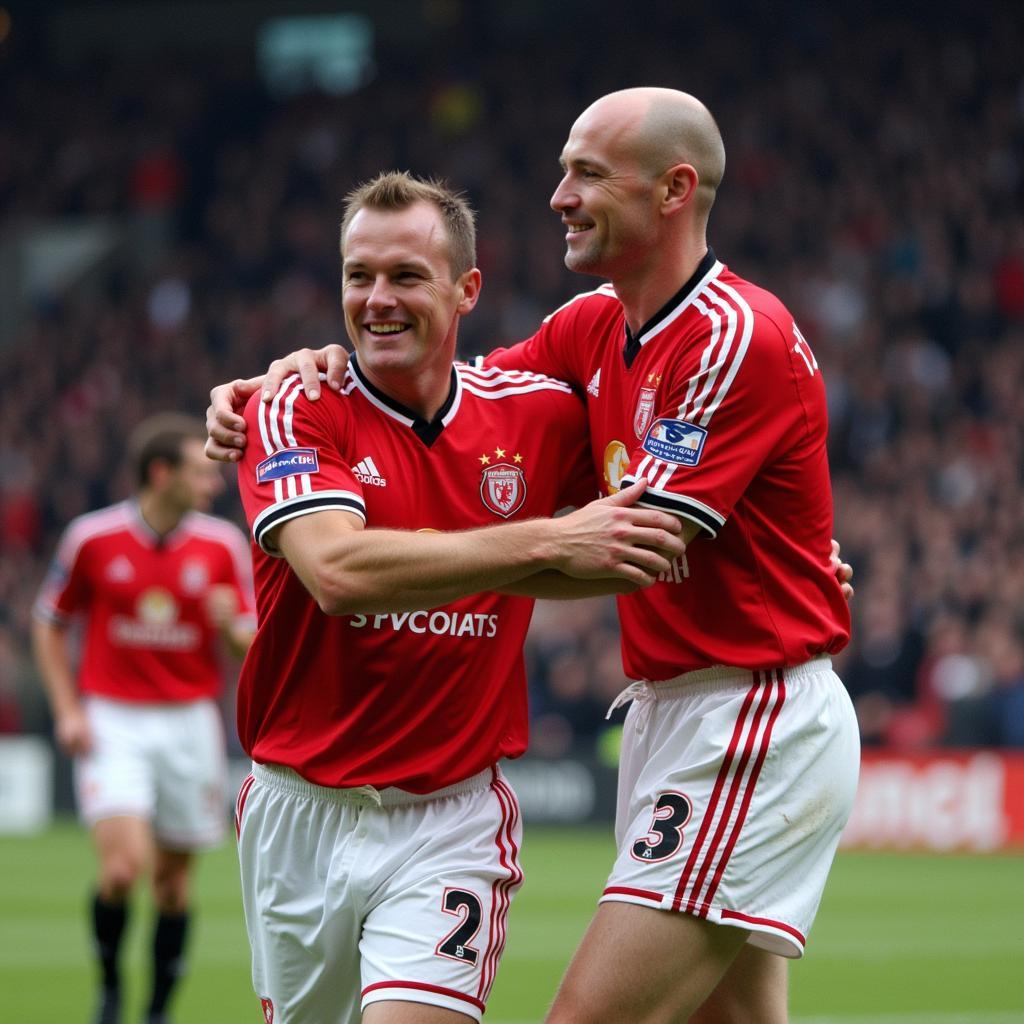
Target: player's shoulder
494 383
290 397
214 529
600 301
102 522
767 314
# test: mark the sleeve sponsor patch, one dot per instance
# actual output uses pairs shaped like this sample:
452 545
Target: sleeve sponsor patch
675 441
287 462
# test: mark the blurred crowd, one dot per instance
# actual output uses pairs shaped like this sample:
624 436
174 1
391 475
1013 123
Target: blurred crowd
875 181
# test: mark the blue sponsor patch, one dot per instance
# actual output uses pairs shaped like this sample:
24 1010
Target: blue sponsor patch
287 462
675 441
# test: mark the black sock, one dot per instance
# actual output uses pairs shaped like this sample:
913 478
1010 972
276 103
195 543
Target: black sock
168 962
108 920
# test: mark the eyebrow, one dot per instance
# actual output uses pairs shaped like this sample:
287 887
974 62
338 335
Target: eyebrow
414 264
581 162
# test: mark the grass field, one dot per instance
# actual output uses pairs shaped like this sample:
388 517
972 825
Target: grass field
899 940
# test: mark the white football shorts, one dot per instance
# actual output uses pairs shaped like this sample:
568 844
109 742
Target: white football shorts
733 789
355 896
162 762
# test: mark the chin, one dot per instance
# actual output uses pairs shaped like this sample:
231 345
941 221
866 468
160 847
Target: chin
584 263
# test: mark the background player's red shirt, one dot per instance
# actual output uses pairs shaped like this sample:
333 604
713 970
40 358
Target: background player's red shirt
147 634
418 700
719 403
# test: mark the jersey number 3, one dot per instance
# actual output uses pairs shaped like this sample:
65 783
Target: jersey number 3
455 945
665 836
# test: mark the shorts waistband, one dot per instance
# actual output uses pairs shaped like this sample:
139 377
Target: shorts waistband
713 680
731 674
287 780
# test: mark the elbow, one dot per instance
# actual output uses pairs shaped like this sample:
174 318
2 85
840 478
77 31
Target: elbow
334 593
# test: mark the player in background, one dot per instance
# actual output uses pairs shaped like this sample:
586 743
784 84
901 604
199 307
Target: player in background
162 589
700 383
397 526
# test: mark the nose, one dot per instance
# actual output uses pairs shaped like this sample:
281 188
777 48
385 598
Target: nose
381 295
564 198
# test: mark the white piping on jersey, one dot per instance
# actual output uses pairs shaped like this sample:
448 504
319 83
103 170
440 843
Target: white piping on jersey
517 389
677 312
271 423
741 351
605 289
486 375
727 355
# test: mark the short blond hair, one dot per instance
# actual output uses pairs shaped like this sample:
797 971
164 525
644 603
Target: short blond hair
398 190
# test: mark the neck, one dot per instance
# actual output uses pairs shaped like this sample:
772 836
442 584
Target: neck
643 293
424 393
160 518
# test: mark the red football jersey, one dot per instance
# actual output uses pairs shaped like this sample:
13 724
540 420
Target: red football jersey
147 635
418 700
719 403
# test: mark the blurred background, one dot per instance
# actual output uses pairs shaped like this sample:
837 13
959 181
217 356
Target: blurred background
170 185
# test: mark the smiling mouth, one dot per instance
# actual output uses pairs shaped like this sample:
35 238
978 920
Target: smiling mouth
385 330
575 229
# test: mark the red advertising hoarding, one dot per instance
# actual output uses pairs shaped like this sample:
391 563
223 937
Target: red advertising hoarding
970 801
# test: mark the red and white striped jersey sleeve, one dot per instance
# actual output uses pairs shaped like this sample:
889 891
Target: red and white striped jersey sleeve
741 397
293 464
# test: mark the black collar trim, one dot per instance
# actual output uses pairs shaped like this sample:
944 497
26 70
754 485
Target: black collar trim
633 344
427 432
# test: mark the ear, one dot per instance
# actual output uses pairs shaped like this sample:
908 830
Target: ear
470 284
679 186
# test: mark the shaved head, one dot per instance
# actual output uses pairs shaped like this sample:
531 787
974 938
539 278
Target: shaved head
663 128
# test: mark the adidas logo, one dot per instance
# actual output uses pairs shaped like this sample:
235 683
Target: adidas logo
595 384
367 473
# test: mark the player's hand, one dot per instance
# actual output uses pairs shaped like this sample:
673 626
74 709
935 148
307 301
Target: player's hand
308 363
72 732
843 571
225 427
221 603
610 539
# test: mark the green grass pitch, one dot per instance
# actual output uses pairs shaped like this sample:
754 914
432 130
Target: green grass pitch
900 939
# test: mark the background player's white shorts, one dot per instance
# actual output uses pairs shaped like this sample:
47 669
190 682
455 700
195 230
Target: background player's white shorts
354 896
733 789
162 762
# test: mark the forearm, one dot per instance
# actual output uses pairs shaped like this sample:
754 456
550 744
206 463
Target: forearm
375 571
50 646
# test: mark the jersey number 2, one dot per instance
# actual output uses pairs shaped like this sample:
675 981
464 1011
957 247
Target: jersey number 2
665 836
466 905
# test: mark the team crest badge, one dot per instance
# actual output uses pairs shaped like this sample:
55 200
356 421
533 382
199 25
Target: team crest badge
644 411
503 489
268 1010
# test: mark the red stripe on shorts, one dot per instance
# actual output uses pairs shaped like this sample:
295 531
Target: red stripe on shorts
742 783
740 790
625 890
749 795
501 889
243 794
734 915
723 774
422 986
